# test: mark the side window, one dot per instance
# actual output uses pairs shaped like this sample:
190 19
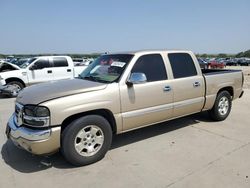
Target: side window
60 62
182 65
42 63
152 66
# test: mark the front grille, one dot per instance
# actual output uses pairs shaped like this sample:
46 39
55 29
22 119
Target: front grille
18 114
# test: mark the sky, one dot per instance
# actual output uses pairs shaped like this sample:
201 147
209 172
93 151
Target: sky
78 26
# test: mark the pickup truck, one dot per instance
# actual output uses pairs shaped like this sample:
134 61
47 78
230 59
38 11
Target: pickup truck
216 64
115 94
37 70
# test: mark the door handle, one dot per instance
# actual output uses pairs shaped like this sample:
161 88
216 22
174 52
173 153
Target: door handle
49 71
197 84
167 88
68 70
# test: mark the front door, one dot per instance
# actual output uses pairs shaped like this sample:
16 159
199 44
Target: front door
41 71
146 103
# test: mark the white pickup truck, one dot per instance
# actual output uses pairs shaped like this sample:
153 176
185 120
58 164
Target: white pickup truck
38 70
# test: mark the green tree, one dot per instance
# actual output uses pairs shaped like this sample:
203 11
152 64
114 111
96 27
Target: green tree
221 55
243 54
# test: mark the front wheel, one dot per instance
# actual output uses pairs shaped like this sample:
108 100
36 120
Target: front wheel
16 87
86 140
222 106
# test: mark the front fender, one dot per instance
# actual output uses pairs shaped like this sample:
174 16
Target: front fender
14 75
64 107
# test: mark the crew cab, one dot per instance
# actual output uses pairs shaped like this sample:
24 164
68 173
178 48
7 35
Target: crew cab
37 70
115 94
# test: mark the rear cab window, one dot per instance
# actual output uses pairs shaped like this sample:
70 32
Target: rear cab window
152 65
60 62
182 65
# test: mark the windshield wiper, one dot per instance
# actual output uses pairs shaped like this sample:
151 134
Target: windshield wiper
90 77
95 79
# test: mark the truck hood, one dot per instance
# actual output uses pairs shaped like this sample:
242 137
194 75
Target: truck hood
56 89
13 67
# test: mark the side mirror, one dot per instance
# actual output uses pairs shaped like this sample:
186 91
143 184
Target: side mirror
137 78
33 67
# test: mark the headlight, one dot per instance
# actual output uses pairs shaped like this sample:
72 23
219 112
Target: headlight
36 116
36 111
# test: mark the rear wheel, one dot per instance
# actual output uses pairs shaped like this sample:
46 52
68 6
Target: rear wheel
222 106
86 140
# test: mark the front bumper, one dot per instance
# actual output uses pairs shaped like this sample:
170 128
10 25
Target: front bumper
8 90
2 82
39 142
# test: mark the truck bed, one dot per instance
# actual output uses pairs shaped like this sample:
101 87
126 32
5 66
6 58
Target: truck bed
216 79
217 71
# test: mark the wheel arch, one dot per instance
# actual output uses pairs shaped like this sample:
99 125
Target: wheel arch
107 114
229 89
8 80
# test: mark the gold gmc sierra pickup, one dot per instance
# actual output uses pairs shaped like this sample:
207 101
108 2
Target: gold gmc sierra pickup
118 93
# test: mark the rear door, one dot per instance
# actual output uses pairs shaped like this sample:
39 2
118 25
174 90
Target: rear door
61 68
188 86
41 71
146 103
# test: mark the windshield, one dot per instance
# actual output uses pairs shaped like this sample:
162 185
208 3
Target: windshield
107 68
19 62
27 63
13 60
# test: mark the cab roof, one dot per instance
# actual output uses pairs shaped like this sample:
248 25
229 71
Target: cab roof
138 52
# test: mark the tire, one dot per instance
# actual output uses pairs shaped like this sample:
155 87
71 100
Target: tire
77 143
222 106
19 86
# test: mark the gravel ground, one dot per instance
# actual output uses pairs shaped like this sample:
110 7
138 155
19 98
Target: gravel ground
246 71
190 152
